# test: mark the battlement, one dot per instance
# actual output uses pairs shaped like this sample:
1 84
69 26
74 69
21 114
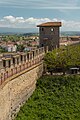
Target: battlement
13 63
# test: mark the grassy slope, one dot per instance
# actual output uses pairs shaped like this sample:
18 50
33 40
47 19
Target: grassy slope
56 98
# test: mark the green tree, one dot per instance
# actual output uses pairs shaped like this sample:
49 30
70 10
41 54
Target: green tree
56 60
2 50
63 58
20 47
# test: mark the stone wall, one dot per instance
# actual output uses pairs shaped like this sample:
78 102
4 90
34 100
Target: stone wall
49 36
17 89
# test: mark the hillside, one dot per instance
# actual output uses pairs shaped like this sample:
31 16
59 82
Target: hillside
56 98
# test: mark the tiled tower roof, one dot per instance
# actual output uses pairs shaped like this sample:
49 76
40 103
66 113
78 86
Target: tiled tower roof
50 24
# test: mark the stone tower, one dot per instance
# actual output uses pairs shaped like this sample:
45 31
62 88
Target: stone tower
49 34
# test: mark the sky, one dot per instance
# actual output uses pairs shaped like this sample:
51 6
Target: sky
25 15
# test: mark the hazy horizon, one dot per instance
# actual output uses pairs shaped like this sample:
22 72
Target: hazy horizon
25 30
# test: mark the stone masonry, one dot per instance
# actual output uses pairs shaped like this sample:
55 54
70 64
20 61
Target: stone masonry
49 34
18 81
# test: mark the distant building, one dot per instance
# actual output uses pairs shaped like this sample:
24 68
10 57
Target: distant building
34 43
11 48
75 38
30 48
49 34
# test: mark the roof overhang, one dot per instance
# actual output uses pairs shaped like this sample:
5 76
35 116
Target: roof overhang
50 24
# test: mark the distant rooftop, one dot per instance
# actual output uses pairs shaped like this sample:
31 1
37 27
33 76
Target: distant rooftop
50 24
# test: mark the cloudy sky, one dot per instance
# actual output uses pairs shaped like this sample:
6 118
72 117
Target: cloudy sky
24 15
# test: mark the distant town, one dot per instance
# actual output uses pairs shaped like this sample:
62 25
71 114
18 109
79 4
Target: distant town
17 42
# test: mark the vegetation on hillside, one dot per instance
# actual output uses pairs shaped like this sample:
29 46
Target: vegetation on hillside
56 98
13 38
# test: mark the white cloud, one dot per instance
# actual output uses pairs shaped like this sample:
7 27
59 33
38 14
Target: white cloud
20 22
71 25
11 19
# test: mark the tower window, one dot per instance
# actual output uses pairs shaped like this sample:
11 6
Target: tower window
52 29
42 29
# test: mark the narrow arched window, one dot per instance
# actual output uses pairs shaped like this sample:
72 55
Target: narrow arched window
42 29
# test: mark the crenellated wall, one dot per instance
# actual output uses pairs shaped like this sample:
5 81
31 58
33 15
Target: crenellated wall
14 63
18 81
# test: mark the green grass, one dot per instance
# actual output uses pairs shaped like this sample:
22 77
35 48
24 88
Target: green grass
56 98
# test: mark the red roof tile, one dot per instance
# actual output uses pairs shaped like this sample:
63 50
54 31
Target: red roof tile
48 24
